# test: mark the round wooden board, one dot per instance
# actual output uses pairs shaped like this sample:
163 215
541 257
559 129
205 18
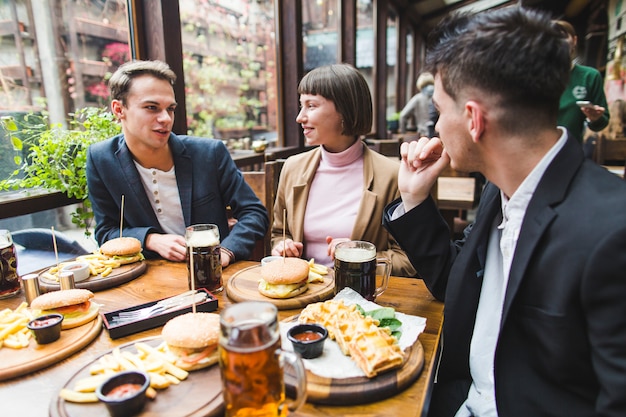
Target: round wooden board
119 276
243 286
198 395
361 390
17 362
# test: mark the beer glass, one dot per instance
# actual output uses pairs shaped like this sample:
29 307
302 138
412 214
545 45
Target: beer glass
355 267
251 362
204 241
9 280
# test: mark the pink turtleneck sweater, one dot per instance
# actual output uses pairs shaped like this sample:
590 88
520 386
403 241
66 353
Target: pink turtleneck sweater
334 200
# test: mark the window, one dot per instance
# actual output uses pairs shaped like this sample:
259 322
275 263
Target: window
319 33
229 61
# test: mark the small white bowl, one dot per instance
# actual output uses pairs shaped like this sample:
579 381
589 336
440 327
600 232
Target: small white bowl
269 259
79 269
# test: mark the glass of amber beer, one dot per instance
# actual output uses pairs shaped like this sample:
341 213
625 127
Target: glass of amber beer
251 362
9 279
203 243
355 267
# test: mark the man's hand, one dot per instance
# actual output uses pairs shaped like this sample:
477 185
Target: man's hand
170 247
334 242
422 162
290 248
593 113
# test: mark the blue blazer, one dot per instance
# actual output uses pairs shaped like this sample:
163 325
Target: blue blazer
208 181
561 350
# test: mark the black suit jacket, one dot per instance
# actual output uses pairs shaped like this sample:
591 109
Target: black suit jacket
207 180
562 344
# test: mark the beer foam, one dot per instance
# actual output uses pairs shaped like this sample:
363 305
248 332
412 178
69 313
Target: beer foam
355 254
202 238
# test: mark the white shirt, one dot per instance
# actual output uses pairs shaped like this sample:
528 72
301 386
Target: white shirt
481 400
162 191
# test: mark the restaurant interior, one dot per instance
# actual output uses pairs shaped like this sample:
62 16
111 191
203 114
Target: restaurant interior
238 64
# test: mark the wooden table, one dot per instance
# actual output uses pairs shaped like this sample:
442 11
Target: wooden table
31 394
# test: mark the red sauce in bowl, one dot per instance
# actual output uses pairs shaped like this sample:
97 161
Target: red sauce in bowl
307 336
44 322
123 391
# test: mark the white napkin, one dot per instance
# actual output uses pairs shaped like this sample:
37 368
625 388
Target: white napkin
333 363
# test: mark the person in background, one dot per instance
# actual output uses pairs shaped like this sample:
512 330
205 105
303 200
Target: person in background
418 107
535 318
168 181
337 191
585 84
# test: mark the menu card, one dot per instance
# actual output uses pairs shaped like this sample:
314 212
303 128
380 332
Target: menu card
333 363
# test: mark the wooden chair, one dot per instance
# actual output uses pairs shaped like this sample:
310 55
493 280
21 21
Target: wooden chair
387 147
265 185
610 150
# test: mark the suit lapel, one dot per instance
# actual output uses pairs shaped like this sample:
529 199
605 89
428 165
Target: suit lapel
301 189
368 200
551 190
127 167
184 176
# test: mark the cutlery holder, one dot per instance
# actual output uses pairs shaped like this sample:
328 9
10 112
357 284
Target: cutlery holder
117 330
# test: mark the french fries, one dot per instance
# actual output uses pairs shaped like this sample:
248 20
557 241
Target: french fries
13 331
316 271
99 264
155 361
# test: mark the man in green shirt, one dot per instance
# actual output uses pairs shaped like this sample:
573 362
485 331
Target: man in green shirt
585 84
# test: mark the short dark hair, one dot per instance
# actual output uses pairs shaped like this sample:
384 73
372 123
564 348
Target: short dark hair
346 87
515 54
120 81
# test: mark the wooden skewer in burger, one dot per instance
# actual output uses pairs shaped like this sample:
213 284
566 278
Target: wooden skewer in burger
285 279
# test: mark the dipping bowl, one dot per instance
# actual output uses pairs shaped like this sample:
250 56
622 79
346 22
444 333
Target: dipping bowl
124 394
308 339
79 269
46 329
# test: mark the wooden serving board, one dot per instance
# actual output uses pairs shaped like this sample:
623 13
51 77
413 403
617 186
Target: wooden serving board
17 362
119 276
361 390
243 286
198 395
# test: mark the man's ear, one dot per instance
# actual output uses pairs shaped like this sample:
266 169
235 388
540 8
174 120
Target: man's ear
117 109
476 120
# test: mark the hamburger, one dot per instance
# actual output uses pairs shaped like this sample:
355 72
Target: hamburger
124 250
75 305
284 278
192 338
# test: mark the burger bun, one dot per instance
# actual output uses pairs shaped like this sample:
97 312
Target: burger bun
284 278
75 305
193 339
125 250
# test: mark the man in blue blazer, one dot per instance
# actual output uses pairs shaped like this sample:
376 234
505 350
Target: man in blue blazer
535 293
168 181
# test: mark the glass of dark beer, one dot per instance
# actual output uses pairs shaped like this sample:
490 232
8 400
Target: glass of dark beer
251 362
203 244
9 279
355 267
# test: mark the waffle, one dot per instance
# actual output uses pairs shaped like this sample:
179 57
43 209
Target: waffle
371 347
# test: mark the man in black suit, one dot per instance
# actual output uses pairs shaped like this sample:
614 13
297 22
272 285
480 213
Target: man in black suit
535 293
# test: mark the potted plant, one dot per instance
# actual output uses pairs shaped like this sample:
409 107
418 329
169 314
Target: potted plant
393 122
53 157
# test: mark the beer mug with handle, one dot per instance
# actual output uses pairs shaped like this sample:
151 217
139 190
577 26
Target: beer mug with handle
203 244
9 279
251 362
355 267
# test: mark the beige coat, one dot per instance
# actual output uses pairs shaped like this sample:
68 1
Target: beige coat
293 191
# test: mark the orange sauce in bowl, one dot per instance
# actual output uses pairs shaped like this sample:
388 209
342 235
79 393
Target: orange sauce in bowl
123 391
307 336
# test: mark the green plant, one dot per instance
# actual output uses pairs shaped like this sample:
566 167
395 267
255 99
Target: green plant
54 158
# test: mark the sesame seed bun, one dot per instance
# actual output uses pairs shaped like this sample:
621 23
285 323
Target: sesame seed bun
192 330
192 338
61 298
285 271
121 246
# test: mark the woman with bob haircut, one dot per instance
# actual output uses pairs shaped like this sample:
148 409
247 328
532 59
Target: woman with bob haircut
337 191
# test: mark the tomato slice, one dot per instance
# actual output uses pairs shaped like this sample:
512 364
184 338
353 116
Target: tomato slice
196 357
76 308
